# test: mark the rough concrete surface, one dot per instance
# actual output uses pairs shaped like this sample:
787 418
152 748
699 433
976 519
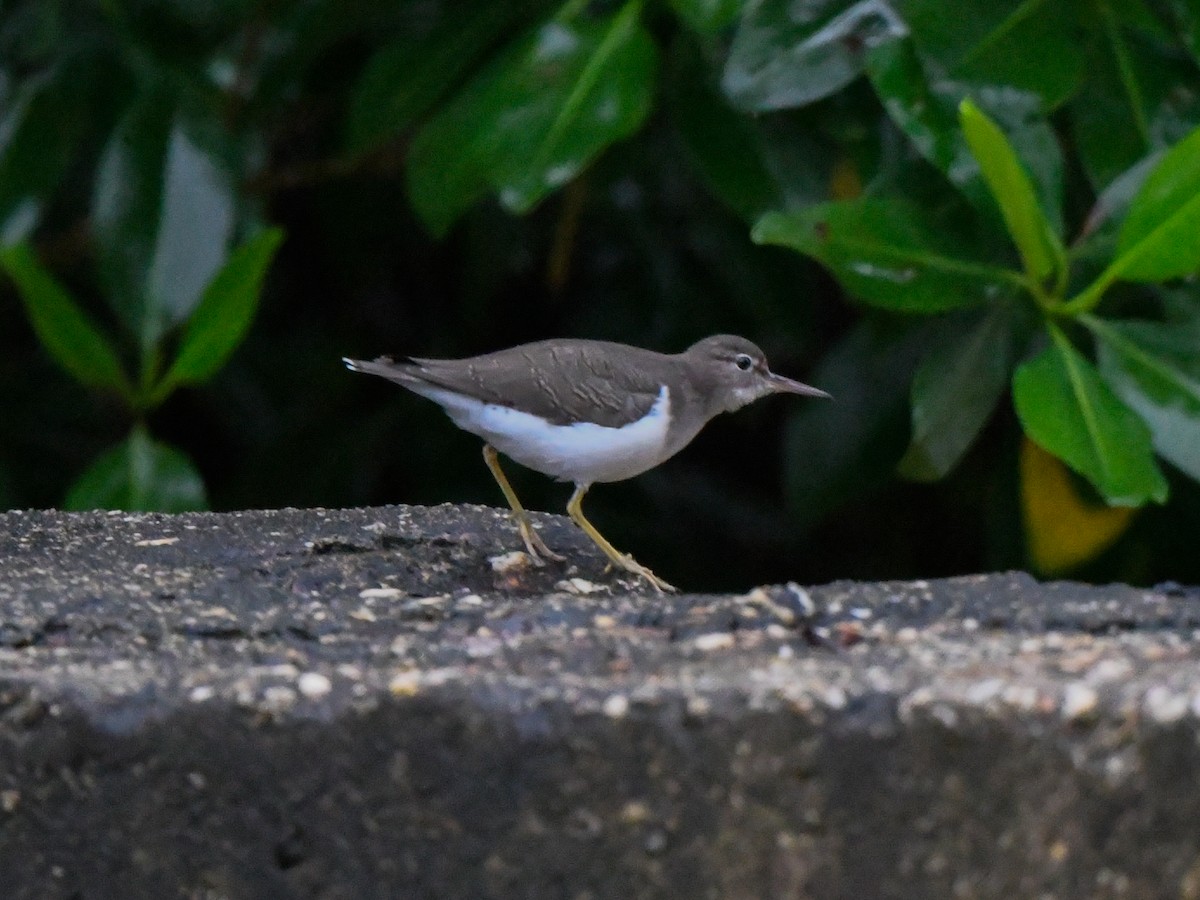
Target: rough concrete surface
381 703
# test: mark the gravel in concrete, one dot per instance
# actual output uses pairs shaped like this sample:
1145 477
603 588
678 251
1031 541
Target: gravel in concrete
393 703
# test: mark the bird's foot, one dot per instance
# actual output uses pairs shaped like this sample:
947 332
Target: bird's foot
633 567
539 553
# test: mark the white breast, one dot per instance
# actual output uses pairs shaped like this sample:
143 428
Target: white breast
583 453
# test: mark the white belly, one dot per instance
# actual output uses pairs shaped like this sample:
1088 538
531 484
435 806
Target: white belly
583 453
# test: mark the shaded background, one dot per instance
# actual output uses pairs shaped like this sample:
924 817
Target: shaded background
312 108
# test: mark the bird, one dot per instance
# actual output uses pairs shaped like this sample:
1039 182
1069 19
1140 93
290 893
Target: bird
588 411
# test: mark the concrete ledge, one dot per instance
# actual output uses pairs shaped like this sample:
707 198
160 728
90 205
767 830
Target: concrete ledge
379 703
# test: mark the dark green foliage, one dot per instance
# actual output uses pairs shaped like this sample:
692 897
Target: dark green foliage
64 329
535 116
983 219
139 474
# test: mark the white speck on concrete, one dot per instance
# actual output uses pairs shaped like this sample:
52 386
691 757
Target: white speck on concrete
580 586
616 706
1164 705
510 562
314 685
381 593
1079 702
714 640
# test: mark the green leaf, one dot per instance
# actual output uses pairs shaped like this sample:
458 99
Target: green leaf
405 77
535 117
1039 245
1131 102
955 390
42 126
836 452
1027 45
1155 368
1098 237
883 252
1187 19
126 201
139 475
1066 408
178 36
1161 235
224 314
925 106
786 54
725 148
163 214
1109 121
65 330
707 17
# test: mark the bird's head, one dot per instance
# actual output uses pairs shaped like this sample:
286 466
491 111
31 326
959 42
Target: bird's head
733 372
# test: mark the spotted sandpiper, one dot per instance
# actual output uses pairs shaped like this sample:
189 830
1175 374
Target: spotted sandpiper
588 411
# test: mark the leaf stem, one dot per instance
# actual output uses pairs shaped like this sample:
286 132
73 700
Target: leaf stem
144 399
1079 388
1132 350
622 23
571 9
1087 299
1001 31
1133 91
935 261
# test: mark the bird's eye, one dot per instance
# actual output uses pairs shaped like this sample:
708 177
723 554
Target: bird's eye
743 362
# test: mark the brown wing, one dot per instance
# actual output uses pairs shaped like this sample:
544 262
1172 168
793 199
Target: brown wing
562 381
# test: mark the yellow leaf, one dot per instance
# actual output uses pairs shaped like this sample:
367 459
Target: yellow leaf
844 181
1062 529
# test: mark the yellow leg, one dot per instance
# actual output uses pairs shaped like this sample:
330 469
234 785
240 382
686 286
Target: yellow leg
620 560
533 542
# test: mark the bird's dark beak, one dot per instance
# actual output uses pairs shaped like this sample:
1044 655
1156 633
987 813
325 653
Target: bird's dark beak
781 385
